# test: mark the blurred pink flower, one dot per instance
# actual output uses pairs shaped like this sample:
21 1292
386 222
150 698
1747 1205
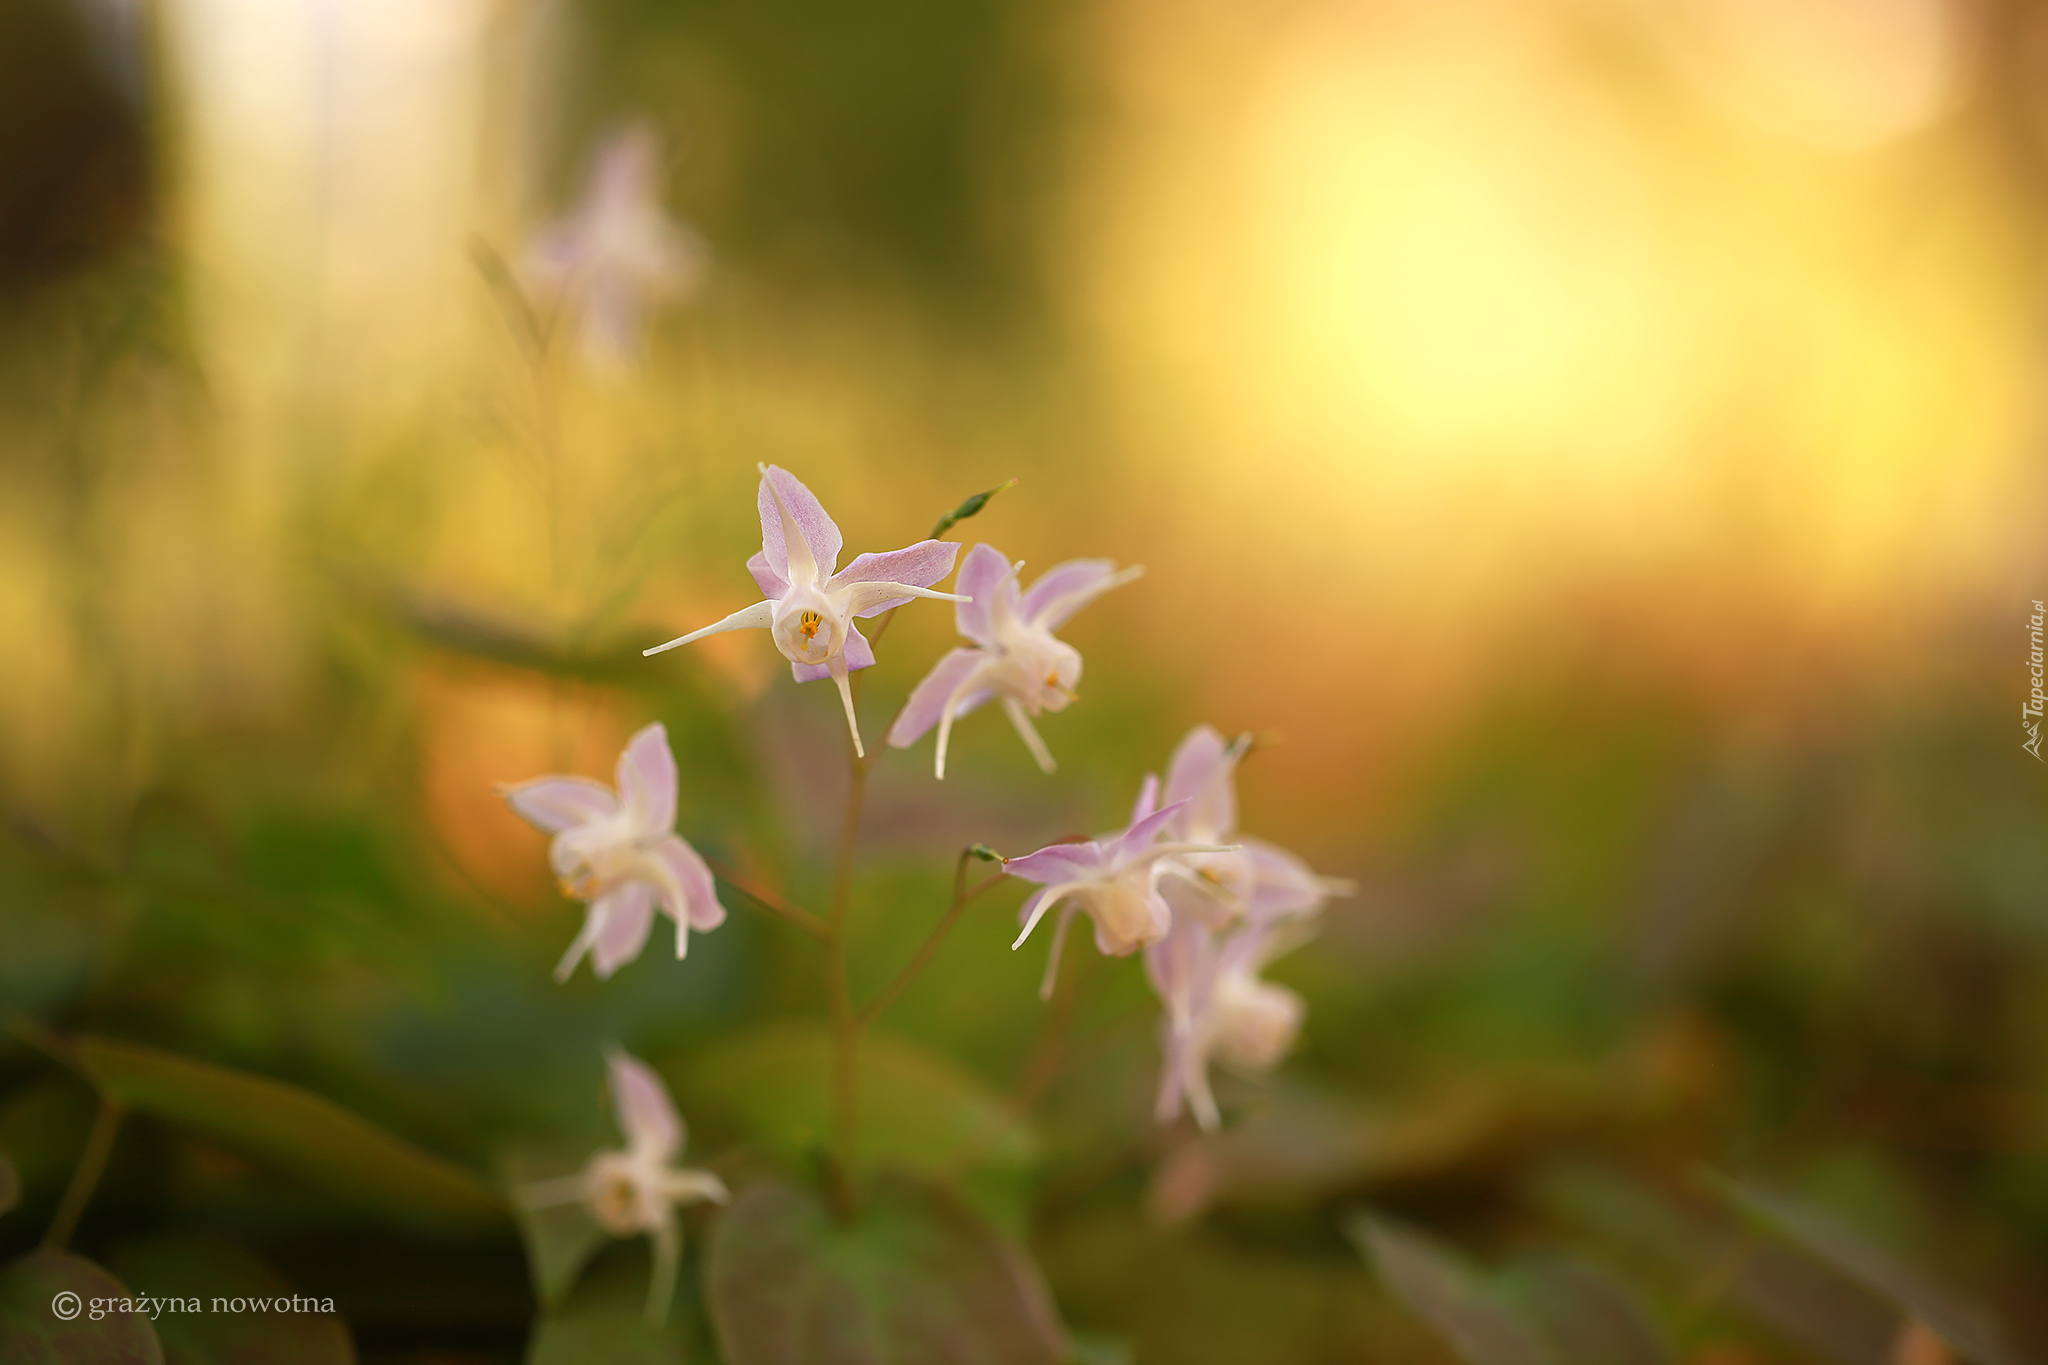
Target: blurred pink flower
811 602
1114 880
637 1190
1015 654
620 853
615 254
1217 1008
1234 911
1254 881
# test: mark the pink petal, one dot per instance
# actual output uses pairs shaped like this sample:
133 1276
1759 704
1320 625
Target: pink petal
1062 580
647 1117
928 698
1145 832
919 565
690 879
1203 773
647 781
985 568
773 584
1148 799
558 803
628 913
819 531
1058 863
1283 885
859 654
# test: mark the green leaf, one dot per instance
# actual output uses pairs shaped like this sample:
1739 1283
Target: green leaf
296 1132
1964 1326
914 1278
32 1333
967 509
604 1320
206 1268
919 1109
560 1239
10 1184
1441 1289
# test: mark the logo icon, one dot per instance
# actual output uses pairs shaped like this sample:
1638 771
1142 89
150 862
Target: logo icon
66 1305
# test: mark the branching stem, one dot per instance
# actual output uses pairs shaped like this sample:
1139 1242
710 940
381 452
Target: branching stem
963 896
769 901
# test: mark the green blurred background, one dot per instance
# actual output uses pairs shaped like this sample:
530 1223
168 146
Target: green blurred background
1599 440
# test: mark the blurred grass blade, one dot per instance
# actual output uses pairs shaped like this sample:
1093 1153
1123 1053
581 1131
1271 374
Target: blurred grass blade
1442 1290
204 1268
30 1331
915 1278
967 509
10 1184
1964 1326
1588 1317
296 1132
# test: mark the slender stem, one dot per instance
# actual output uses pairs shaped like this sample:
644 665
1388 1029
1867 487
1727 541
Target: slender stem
769 901
99 1143
839 995
963 895
1047 1051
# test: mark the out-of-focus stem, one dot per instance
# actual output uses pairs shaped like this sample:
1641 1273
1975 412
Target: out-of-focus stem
1048 1050
99 1143
769 901
839 995
963 895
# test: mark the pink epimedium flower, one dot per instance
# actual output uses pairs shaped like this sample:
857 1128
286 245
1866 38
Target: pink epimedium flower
636 1191
1015 654
1113 880
616 254
1217 1008
1254 881
810 602
618 852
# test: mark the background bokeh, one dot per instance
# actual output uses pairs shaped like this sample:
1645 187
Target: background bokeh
1598 442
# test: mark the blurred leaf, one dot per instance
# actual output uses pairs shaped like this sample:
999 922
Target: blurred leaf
296 1132
31 1333
1589 1319
1966 1327
914 1278
205 1267
560 1239
10 1184
605 1320
1444 1291
919 1109
967 509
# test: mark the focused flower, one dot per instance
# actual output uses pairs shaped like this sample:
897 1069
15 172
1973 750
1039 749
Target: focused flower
616 253
1113 880
1015 656
1254 880
619 852
637 1191
1217 1008
811 603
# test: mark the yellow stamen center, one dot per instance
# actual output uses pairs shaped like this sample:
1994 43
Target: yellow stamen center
809 623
